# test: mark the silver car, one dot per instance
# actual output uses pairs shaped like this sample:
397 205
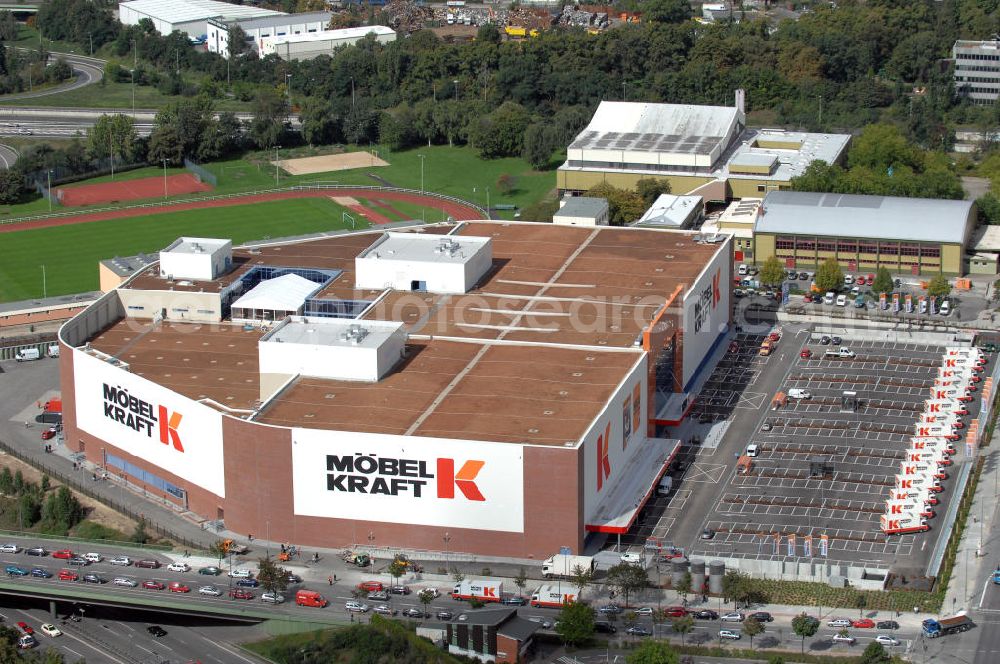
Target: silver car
125 581
9 548
210 590
273 598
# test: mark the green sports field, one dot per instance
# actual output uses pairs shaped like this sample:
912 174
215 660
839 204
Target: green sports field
71 253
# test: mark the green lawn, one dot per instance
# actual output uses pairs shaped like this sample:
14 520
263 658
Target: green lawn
71 253
137 174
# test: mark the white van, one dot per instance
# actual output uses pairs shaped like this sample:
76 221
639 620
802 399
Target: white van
93 557
27 355
666 485
945 308
53 350
799 394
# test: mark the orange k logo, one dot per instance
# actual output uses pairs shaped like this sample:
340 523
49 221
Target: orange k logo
603 462
168 428
464 479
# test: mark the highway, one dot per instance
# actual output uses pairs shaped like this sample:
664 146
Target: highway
86 70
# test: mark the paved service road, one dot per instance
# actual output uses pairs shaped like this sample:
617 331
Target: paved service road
8 156
87 71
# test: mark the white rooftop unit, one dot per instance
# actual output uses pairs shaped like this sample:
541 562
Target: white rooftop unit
274 299
670 211
332 348
202 259
424 262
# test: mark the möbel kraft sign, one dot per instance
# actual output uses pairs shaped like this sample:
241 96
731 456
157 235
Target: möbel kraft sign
148 421
425 481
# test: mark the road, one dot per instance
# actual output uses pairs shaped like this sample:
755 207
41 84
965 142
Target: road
86 70
8 156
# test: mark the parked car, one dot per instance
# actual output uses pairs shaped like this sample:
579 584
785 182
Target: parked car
14 570
25 627
370 586
125 582
178 587
48 629
68 575
444 615
211 591
156 631
240 574
806 354
400 590
357 607
844 638
706 614
93 557
153 585
178 567
9 548
676 611
36 551
94 578
78 560
148 564
729 634
240 593
379 596
247 583
62 554
863 623
838 622
49 433
409 613
124 561
708 533
734 616
887 624
41 573
610 609
383 609
886 640
762 616
273 598
514 600
211 570
644 611
638 630
631 558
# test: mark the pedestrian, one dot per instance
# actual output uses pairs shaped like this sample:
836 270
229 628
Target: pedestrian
329 580
282 548
334 578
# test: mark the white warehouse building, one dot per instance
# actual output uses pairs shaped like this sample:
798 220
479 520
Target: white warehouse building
307 46
264 27
187 16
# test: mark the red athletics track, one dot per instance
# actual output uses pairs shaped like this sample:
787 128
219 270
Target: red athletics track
454 210
130 190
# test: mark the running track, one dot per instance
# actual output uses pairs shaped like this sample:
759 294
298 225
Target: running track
454 210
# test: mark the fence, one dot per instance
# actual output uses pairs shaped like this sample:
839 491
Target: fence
80 485
203 174
42 343
244 194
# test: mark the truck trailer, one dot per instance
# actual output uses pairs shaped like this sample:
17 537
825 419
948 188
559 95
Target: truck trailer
552 596
935 628
561 565
484 590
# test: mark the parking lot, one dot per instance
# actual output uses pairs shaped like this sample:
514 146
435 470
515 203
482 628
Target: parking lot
825 467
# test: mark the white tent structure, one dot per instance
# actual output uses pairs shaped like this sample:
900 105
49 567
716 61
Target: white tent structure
274 299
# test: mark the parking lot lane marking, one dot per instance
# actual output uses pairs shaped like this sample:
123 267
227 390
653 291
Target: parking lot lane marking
99 651
125 626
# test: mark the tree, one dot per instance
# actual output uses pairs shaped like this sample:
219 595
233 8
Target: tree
521 580
218 549
113 135
772 272
649 189
624 206
883 281
426 596
581 578
804 626
457 575
734 586
268 124
875 654
829 276
501 133
8 26
239 41
752 627
683 626
630 617
506 184
775 659
6 481
11 186
320 126
860 602
666 11
575 623
653 652
272 577
139 534
488 33
659 617
540 140
397 568
627 578
938 286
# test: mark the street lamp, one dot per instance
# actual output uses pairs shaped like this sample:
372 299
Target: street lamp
164 178
288 89
276 147
456 88
624 98
132 75
48 177
352 93
421 173
45 290
447 539
135 55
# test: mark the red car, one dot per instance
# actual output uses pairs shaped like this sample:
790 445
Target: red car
863 623
774 336
676 611
68 575
49 433
806 354
871 278
25 627
240 593
860 281
371 586
178 587
65 554
807 298
153 585
961 411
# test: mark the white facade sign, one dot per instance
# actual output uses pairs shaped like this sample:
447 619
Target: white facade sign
706 310
408 479
149 421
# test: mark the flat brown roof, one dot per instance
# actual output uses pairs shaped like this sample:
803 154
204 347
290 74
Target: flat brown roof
531 355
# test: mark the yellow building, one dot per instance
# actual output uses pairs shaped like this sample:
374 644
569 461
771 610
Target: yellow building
690 147
917 236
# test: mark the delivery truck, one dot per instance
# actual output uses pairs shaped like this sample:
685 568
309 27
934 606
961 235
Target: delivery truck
554 597
899 507
920 496
484 590
932 628
561 565
900 525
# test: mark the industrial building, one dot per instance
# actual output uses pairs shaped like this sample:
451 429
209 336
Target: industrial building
493 388
672 211
702 150
188 16
905 235
977 70
263 27
306 46
581 211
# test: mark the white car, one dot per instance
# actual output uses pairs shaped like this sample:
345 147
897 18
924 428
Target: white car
735 616
729 634
886 640
841 300
273 598
843 638
356 607
212 591
829 297
644 611
753 450
124 561
93 557
240 574
9 548
631 558
48 629
125 581
839 622
178 567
